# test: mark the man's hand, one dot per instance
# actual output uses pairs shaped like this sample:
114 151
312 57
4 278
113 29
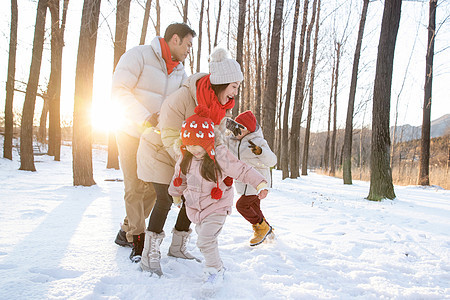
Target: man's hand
152 121
255 149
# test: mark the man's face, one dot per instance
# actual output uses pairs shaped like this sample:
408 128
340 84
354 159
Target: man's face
180 48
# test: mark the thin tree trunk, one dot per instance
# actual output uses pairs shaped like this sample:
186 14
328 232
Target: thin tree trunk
380 171
208 27
229 25
311 96
424 169
258 87
347 167
246 89
42 132
120 46
270 94
200 26
148 5
158 19
326 156
240 47
300 96
333 137
54 85
280 101
9 115
287 102
82 129
185 11
26 129
269 34
217 23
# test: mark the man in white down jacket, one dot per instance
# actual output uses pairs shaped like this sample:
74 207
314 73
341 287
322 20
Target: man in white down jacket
144 76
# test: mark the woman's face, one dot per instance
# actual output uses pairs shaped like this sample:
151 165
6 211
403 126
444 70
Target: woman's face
196 150
229 93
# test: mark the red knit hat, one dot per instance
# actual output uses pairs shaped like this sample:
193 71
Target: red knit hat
247 118
198 129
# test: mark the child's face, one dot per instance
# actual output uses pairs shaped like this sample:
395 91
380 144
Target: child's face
243 133
196 150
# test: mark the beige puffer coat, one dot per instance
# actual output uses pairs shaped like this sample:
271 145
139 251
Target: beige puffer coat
262 163
159 148
141 83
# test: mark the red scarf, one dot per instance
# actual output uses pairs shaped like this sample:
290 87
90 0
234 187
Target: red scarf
167 56
206 96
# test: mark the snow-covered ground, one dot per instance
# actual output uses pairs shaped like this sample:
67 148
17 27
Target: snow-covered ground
57 241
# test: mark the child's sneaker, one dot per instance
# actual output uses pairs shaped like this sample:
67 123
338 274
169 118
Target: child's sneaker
261 231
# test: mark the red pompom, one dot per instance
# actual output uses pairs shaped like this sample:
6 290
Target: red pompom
228 181
202 111
177 181
216 193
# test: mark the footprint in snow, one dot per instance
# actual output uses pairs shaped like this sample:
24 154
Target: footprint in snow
7 266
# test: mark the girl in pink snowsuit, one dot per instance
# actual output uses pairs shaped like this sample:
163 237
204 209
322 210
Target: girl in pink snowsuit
199 177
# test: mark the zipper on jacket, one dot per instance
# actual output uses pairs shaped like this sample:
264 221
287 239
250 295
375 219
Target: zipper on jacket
239 157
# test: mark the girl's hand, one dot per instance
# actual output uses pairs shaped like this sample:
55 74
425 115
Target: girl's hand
263 193
177 201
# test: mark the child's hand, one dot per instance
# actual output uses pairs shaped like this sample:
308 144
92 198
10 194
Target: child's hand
177 201
263 193
255 149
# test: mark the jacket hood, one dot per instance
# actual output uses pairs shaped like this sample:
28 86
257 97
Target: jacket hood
191 84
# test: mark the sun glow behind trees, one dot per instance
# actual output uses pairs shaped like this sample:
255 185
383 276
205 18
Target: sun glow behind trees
414 18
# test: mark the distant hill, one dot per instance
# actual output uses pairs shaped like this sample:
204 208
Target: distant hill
439 127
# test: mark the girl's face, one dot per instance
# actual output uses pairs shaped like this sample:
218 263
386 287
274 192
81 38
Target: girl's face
229 93
196 150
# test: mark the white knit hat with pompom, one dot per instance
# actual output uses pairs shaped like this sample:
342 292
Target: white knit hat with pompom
223 68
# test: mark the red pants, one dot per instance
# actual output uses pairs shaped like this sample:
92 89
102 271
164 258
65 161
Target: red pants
248 207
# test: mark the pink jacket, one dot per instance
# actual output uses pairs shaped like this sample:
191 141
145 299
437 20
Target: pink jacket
197 190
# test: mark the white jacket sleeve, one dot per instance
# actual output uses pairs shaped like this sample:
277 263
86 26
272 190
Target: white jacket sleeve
267 157
125 78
